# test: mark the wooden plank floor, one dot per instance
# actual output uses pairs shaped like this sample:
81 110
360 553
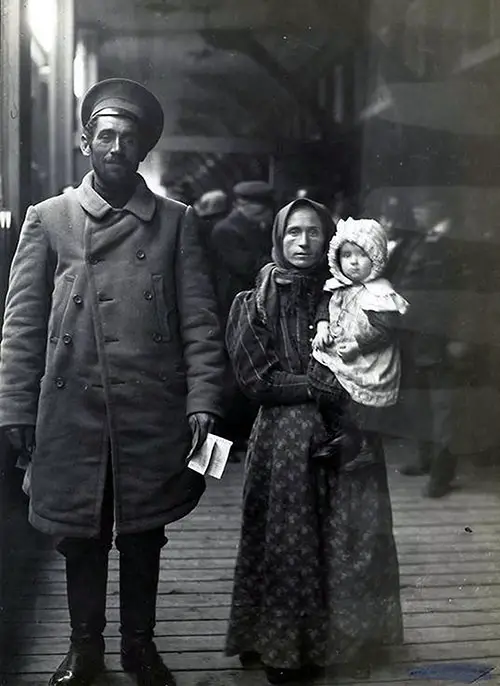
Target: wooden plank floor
449 553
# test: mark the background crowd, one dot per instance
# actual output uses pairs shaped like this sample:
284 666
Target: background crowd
445 362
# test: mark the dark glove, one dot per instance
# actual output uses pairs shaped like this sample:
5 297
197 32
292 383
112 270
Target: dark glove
200 423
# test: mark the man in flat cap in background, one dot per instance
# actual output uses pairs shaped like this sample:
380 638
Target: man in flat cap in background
240 245
241 242
112 350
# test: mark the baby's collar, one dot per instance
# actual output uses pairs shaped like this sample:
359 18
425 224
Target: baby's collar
377 286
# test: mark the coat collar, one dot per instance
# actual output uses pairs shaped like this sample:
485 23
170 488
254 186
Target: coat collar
142 203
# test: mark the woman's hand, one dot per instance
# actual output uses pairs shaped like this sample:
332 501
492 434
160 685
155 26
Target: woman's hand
347 350
323 337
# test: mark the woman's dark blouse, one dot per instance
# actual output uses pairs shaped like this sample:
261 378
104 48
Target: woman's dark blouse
270 360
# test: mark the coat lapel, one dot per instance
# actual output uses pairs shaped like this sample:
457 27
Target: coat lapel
142 204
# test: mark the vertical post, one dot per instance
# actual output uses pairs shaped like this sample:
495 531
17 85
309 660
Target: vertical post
61 99
15 115
15 160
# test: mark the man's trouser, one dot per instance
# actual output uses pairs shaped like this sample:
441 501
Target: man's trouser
436 394
87 574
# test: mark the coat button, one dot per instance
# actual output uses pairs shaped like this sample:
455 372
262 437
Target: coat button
140 254
60 383
157 337
67 339
93 259
77 299
148 295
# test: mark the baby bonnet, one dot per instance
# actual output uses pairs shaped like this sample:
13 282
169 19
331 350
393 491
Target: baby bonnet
368 234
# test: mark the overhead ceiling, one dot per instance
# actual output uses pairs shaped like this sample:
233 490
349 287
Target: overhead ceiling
197 15
236 70
220 66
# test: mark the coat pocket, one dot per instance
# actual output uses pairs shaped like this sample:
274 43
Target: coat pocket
60 300
162 311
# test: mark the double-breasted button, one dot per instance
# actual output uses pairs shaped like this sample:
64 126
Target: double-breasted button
148 295
77 299
157 337
93 259
67 339
60 382
140 254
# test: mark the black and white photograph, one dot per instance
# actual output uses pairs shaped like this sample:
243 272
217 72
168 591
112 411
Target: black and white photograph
249 342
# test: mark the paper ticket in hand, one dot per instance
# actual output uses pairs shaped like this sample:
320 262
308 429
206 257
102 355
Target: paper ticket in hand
211 458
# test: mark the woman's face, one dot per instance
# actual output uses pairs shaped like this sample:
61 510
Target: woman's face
304 239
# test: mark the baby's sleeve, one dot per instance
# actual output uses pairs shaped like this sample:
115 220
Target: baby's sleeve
323 313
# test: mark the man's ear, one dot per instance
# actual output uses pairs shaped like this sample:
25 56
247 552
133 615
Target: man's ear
85 145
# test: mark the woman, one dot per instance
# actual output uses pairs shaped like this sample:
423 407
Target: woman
316 578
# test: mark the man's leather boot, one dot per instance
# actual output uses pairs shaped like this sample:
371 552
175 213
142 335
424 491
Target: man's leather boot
86 578
423 463
140 657
139 573
441 475
82 664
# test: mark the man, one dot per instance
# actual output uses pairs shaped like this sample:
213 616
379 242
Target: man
241 243
210 209
112 349
430 274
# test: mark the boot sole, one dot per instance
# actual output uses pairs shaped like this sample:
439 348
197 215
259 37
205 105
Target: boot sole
131 666
82 681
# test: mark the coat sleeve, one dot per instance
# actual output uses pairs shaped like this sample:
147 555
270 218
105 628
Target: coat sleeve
24 335
382 334
256 365
232 251
322 313
199 323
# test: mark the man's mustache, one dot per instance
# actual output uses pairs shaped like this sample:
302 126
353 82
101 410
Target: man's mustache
117 160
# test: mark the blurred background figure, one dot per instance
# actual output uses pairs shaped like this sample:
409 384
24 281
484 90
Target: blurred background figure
427 273
240 245
241 242
179 191
339 206
210 208
315 193
398 221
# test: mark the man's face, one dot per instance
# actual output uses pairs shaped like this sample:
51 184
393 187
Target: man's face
254 209
115 149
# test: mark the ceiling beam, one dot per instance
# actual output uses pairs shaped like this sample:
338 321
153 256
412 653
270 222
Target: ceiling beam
215 144
479 56
161 16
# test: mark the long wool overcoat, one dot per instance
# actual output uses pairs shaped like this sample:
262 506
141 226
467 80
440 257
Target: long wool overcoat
110 340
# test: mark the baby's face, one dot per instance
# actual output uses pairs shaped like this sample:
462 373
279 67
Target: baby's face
354 262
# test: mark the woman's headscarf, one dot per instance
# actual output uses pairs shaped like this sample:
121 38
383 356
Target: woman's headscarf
280 271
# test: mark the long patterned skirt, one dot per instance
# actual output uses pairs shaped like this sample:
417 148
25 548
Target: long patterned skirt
317 575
